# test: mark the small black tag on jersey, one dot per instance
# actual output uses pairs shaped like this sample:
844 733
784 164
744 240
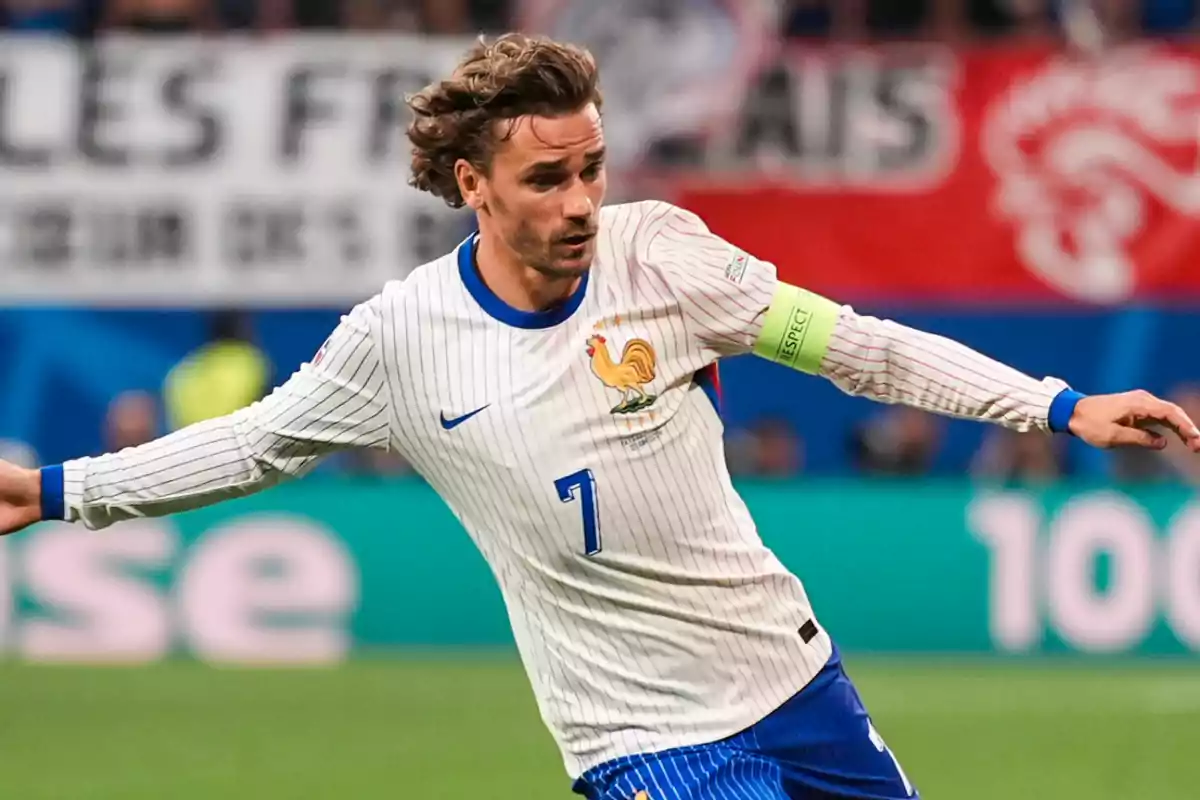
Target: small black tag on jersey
808 631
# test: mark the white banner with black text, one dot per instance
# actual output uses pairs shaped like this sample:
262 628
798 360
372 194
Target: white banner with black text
252 172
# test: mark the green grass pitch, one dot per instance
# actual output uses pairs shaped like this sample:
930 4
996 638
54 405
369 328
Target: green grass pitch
467 728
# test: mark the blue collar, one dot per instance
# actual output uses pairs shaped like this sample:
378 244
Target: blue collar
498 309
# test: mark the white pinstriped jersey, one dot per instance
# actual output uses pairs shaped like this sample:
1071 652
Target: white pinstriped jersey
581 451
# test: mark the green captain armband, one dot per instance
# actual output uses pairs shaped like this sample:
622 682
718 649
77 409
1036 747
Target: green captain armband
797 329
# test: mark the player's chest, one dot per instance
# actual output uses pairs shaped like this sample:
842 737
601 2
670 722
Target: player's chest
487 393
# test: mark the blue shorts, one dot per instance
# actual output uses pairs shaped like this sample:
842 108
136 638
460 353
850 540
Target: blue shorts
819 745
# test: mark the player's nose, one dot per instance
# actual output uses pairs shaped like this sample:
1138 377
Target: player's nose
578 205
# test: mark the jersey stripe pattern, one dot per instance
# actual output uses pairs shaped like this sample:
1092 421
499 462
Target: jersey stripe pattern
581 451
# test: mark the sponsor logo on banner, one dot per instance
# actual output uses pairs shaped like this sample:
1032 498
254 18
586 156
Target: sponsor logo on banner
258 589
214 171
1093 157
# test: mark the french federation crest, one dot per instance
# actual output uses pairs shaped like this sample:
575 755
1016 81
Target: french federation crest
629 374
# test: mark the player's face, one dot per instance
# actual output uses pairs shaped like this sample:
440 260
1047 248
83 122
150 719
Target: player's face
545 189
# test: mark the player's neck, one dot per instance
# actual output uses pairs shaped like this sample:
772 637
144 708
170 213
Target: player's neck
517 284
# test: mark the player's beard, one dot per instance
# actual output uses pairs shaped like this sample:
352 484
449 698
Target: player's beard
552 256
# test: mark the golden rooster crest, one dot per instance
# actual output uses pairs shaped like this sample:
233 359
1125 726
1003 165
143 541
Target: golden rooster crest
629 376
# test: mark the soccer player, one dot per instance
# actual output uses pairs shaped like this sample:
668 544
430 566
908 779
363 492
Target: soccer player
552 379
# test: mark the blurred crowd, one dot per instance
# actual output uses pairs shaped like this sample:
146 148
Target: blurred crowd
843 19
85 18
903 442
956 19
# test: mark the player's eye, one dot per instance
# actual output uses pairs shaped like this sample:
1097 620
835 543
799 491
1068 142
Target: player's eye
592 171
545 180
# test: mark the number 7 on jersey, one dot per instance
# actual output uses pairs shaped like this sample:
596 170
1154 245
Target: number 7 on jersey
585 483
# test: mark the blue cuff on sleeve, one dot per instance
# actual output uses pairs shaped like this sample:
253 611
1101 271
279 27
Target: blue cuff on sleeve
1062 408
53 500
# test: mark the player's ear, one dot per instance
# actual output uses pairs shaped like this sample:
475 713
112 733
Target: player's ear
469 184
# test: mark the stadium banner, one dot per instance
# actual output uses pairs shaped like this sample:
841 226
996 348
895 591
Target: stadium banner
919 173
232 171
242 171
314 573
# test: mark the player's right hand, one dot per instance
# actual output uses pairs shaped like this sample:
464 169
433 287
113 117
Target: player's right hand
20 497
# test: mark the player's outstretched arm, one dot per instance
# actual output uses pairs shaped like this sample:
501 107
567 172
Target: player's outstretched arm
337 402
734 303
892 363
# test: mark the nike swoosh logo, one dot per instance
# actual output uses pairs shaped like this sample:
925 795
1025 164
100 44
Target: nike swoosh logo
448 424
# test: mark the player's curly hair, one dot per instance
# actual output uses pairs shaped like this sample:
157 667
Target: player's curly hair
514 76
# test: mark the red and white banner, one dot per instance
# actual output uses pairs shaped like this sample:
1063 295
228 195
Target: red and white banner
921 173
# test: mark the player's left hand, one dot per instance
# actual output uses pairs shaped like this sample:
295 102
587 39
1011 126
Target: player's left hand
20 497
1129 419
